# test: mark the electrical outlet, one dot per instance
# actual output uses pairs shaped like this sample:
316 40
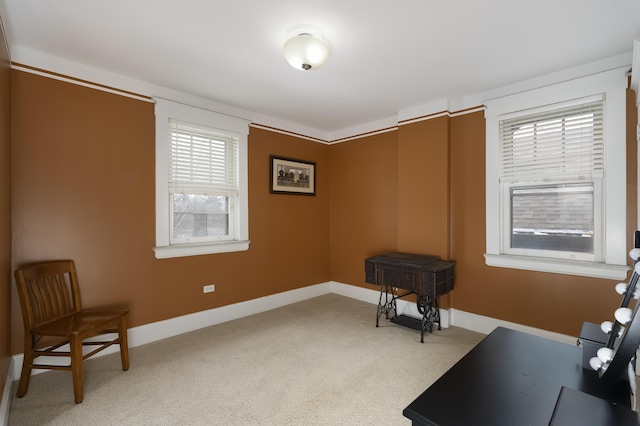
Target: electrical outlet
209 288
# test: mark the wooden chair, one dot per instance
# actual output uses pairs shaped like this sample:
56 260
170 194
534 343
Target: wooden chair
50 302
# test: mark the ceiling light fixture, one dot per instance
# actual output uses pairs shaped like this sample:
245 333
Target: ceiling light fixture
305 48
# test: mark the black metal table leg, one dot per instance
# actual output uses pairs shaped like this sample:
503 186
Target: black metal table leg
428 307
423 304
388 304
436 315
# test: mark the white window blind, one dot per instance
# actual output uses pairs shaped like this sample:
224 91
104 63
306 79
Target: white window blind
561 143
201 161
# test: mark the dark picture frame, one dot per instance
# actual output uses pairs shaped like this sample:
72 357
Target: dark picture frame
291 176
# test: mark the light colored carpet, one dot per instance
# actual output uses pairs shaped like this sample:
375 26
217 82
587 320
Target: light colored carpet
318 362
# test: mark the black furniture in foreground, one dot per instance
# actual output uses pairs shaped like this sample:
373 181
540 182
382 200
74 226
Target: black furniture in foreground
514 378
575 408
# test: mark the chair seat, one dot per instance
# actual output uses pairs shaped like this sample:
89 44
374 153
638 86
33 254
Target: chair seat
87 322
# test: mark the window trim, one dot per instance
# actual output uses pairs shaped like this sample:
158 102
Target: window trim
165 110
613 85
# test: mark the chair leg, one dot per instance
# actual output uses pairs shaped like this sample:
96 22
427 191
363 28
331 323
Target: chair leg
124 343
75 347
25 374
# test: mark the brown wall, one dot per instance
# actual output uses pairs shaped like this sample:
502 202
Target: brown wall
83 188
5 211
424 190
441 210
423 187
364 197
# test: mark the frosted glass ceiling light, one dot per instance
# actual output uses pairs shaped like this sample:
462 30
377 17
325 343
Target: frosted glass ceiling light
305 49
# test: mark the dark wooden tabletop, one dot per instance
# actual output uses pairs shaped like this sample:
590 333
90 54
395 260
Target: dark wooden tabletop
510 378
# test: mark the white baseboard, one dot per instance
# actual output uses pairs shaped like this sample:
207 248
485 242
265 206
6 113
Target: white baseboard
373 296
486 325
172 327
183 324
5 404
450 317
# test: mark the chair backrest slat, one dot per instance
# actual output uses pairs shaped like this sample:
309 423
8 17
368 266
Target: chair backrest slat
61 292
41 307
48 291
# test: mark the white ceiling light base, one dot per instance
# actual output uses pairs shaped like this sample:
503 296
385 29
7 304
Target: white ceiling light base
305 48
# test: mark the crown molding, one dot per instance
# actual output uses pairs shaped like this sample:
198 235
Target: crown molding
635 70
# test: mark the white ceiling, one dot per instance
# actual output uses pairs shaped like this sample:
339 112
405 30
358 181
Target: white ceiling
387 56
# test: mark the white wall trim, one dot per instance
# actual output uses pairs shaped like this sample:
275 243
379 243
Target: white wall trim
153 332
635 85
175 326
5 404
372 296
229 126
41 63
486 325
609 257
54 67
620 61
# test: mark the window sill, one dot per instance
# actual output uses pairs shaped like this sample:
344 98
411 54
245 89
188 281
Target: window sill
184 250
568 267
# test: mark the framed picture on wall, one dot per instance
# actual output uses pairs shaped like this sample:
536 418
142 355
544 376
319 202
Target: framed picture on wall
290 176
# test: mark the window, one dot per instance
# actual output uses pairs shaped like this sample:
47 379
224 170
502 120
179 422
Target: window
201 181
550 164
556 218
556 178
